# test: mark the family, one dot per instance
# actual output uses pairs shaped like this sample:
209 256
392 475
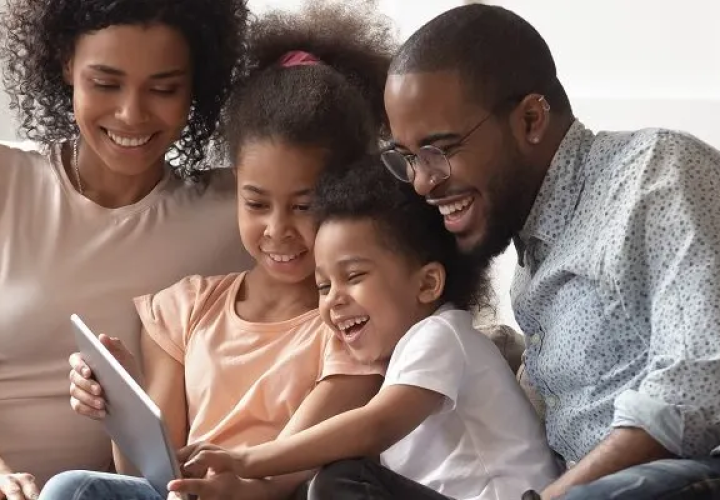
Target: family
304 319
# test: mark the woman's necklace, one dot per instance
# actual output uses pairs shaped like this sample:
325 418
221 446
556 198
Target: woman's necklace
76 167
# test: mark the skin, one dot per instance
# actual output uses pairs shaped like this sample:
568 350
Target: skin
501 167
356 274
358 277
275 182
135 82
498 168
274 220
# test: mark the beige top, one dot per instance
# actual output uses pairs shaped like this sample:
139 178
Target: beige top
243 380
60 253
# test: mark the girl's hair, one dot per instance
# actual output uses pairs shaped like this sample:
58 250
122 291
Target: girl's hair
405 223
335 104
37 37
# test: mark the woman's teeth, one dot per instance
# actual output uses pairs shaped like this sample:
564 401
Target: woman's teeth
129 142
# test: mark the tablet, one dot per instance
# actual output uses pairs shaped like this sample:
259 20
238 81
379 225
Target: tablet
132 419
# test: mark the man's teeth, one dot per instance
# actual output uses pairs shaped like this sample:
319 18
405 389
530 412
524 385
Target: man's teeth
451 208
129 142
349 323
283 257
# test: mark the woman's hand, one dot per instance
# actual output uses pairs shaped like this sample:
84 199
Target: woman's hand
86 394
18 486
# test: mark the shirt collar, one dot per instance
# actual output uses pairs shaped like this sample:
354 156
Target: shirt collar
561 188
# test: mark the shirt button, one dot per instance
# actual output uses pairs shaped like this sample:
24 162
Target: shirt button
570 464
535 339
551 401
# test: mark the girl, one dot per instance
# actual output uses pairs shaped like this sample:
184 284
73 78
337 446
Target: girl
241 359
108 89
450 420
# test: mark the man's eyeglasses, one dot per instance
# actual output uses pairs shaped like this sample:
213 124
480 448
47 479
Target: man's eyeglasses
432 160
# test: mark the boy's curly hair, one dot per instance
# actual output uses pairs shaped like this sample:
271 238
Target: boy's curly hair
405 223
37 37
336 104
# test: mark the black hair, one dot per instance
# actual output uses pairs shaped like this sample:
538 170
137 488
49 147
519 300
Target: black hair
405 223
501 57
336 104
37 37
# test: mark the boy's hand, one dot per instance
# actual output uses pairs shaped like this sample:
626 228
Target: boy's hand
206 457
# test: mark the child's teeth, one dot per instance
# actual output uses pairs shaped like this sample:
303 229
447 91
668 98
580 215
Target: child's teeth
283 258
349 323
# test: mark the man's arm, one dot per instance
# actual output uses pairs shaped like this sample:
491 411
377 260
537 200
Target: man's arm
623 448
667 274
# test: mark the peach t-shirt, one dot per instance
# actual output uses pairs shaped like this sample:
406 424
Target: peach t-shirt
243 380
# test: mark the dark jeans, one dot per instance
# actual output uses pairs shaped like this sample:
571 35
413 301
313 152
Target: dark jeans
365 479
662 480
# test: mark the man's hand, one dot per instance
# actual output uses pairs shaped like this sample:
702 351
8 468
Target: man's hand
18 487
224 486
624 447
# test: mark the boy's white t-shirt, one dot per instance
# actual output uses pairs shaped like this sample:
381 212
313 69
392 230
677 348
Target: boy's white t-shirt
486 443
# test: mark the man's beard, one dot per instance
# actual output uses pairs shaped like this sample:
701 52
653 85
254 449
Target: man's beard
499 233
507 211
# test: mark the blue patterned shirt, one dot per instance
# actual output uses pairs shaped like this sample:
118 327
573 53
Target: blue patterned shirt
618 291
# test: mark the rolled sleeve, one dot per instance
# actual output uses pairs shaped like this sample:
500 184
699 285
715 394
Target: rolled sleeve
662 421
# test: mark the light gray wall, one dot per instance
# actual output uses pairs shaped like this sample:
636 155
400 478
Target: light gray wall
7 126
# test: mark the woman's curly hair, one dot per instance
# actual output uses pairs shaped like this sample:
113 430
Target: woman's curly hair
336 104
37 37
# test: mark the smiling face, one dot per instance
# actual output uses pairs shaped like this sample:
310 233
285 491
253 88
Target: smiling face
369 294
481 199
132 89
275 181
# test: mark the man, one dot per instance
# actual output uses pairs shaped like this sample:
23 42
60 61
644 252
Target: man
618 236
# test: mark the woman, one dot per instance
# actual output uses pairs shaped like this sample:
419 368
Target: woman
110 89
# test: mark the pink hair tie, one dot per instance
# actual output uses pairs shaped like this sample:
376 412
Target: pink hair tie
298 58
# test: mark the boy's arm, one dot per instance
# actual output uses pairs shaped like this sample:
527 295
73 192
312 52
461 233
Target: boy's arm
330 397
391 415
